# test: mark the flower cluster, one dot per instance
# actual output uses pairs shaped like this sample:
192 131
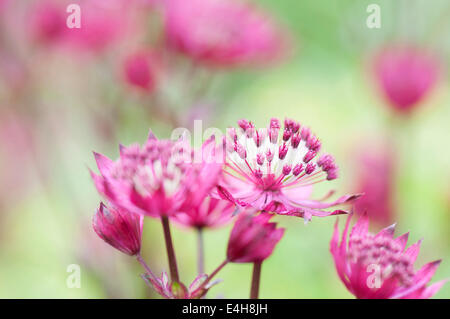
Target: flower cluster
253 175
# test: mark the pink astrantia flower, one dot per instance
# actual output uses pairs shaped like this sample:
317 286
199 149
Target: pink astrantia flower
276 174
156 178
167 290
375 170
378 266
221 32
210 213
119 228
201 210
405 75
253 238
141 70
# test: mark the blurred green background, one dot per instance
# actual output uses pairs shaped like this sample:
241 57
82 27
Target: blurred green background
325 83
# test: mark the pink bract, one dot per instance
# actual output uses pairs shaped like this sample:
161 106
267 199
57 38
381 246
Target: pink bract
277 174
119 228
253 238
166 289
378 266
200 209
210 213
221 32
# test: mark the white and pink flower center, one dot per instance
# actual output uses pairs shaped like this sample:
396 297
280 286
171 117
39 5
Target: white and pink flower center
272 162
158 165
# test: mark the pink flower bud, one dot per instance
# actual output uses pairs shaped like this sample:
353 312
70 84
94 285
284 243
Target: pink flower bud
253 238
119 228
141 70
405 75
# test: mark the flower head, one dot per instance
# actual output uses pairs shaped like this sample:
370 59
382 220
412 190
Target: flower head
405 75
221 32
170 290
119 228
156 179
275 171
378 266
253 238
141 70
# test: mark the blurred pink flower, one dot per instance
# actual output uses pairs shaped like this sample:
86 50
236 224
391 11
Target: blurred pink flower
378 266
156 179
47 20
253 238
103 24
221 32
167 290
375 169
275 175
141 70
119 228
405 75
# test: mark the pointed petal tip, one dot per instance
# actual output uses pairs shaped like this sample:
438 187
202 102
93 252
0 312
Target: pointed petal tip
151 135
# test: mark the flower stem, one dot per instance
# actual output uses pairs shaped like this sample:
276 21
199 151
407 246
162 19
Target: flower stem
254 292
146 267
214 273
200 252
170 251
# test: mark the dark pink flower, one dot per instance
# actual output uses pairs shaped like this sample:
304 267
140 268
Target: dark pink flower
156 179
119 228
405 75
221 32
141 70
170 290
378 266
375 169
253 238
277 174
